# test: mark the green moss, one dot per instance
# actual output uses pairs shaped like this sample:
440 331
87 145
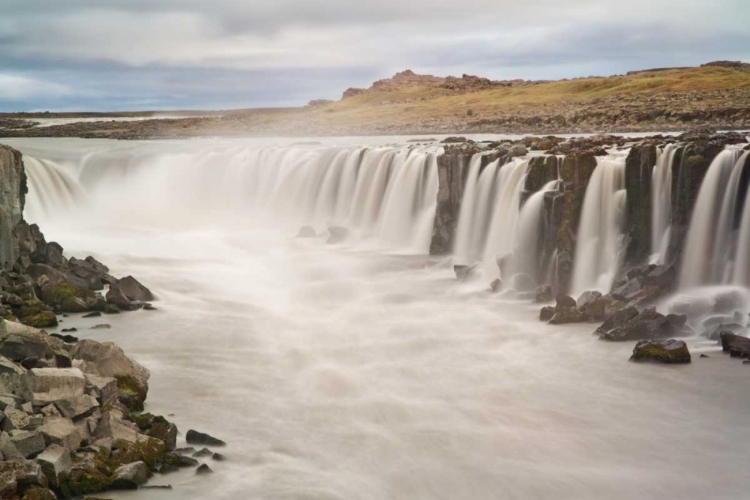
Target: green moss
44 319
37 493
81 482
65 297
150 451
131 393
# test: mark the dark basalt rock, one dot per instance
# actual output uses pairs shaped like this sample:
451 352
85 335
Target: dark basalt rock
667 351
565 301
735 345
647 324
199 438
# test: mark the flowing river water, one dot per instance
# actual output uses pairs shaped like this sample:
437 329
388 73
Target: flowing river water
363 369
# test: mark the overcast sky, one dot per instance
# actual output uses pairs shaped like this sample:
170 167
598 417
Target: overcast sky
217 54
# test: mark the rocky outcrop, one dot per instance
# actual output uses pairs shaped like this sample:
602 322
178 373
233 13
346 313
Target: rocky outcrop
451 168
70 427
12 197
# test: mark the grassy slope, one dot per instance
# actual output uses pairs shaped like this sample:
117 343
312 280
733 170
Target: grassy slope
391 107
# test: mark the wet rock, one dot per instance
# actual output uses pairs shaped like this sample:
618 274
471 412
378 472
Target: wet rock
496 285
565 301
130 476
94 314
704 355
544 294
618 319
587 297
517 150
565 315
546 313
101 326
133 289
199 438
205 452
218 457
628 291
648 325
735 345
68 297
203 469
306 232
665 351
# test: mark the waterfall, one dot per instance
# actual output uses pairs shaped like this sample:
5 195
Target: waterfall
661 203
526 256
710 248
599 250
385 195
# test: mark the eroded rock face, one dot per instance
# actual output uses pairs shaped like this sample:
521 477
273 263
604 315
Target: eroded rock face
13 182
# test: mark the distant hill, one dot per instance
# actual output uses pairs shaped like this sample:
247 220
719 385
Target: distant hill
716 94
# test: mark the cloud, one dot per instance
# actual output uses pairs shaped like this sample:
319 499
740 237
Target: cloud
17 88
288 51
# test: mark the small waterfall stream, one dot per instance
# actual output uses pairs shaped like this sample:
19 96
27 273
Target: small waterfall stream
661 203
599 249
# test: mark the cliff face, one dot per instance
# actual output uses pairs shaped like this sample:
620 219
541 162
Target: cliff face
12 197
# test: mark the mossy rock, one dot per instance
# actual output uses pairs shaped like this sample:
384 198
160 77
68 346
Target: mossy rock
668 351
43 319
111 309
131 393
67 297
82 482
38 493
150 451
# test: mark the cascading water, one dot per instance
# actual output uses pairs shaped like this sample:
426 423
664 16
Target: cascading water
661 203
383 194
599 250
710 249
526 256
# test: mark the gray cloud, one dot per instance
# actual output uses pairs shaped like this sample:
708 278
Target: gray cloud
186 53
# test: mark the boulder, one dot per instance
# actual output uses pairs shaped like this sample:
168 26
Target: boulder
203 469
587 297
199 438
133 289
76 408
108 360
18 475
664 351
19 342
618 319
15 419
464 272
517 150
496 285
49 385
736 345
648 324
116 297
565 301
8 448
628 291
104 389
68 297
546 313
9 367
28 443
130 476
55 461
61 431
564 315
111 426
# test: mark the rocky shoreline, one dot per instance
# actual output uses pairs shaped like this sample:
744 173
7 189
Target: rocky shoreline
72 418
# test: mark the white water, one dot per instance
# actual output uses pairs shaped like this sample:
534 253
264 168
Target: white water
661 203
599 248
337 373
526 256
710 244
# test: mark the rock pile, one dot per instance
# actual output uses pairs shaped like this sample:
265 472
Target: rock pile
43 283
70 414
